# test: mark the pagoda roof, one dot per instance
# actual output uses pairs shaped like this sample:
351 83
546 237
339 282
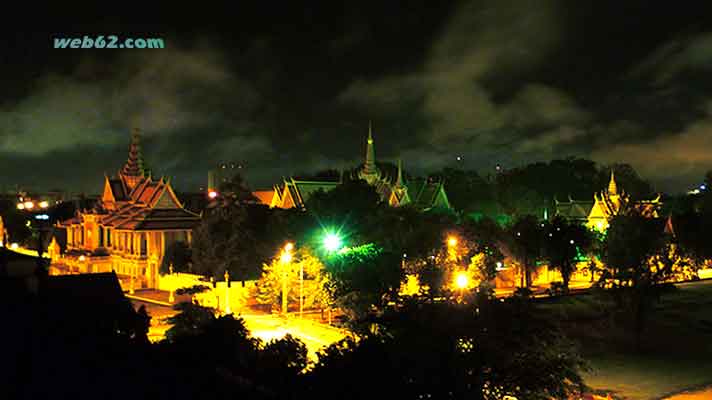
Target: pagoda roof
574 209
264 196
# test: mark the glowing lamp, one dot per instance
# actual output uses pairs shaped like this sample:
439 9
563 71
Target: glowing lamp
332 242
212 194
285 257
14 246
452 241
289 246
20 206
461 280
29 205
44 204
82 258
499 265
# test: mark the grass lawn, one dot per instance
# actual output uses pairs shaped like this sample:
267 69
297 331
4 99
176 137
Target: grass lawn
676 348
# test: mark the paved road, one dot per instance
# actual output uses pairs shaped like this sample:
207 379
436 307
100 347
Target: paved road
263 326
705 394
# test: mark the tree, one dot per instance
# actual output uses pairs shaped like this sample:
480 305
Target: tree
564 243
442 350
524 240
278 275
363 278
177 254
633 248
467 191
237 238
235 190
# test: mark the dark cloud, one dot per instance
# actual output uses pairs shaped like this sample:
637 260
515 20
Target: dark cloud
291 90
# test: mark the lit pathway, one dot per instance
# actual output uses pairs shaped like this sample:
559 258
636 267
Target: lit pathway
705 394
263 326
315 335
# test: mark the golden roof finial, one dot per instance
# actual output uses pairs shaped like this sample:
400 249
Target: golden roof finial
612 187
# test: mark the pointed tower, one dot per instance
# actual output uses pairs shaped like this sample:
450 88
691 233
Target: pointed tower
133 171
399 179
612 187
370 172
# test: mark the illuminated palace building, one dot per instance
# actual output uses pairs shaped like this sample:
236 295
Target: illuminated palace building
421 194
605 205
129 229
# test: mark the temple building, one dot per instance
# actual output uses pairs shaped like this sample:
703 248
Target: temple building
596 214
129 229
421 194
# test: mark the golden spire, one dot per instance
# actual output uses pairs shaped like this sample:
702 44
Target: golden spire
612 187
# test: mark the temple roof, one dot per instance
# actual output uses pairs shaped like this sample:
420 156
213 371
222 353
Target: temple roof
574 209
264 196
134 201
134 164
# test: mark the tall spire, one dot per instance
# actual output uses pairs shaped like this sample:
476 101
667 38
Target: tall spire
612 187
399 179
370 172
370 166
133 169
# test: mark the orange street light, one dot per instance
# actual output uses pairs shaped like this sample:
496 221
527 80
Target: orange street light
452 241
285 257
462 280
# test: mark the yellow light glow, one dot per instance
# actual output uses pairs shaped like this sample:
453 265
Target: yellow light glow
29 205
212 194
452 241
286 257
82 258
20 206
14 246
44 204
289 246
462 280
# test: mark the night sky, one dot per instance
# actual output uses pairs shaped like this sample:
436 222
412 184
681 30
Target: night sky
289 90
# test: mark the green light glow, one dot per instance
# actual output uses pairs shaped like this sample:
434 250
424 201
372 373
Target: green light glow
332 242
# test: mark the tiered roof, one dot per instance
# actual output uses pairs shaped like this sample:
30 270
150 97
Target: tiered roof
134 201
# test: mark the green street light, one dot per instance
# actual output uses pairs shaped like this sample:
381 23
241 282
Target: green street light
332 242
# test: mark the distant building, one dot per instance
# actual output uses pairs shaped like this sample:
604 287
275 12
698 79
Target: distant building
596 214
421 194
131 226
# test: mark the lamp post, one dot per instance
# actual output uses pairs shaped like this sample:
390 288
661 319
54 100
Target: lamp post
462 280
227 293
285 259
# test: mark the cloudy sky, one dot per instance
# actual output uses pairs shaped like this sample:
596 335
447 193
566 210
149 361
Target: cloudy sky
287 90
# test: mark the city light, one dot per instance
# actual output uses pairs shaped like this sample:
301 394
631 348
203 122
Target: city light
14 246
43 217
212 194
332 242
20 206
452 241
289 246
285 257
44 204
462 280
29 205
82 258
